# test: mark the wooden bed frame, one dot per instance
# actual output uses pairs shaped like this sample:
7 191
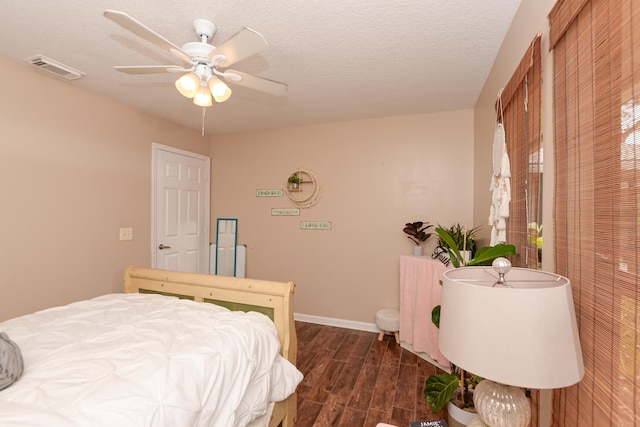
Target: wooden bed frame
274 299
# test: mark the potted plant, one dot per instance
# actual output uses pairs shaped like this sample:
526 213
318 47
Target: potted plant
483 256
461 238
456 389
294 180
417 232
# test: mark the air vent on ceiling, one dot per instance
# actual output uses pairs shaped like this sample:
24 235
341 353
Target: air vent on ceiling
54 67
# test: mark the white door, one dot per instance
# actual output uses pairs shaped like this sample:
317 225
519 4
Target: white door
181 210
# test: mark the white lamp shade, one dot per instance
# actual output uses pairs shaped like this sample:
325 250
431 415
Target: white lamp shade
188 84
524 336
202 97
219 90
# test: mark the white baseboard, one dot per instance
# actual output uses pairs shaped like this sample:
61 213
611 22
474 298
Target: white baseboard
340 323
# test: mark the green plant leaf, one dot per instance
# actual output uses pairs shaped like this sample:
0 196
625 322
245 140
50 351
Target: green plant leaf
439 389
456 260
435 316
454 253
486 255
295 178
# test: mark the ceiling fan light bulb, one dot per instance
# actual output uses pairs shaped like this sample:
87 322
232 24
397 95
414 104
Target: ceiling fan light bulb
220 91
188 84
202 97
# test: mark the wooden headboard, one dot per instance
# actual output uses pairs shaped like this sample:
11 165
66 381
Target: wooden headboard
275 299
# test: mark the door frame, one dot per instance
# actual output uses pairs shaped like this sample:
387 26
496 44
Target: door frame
155 147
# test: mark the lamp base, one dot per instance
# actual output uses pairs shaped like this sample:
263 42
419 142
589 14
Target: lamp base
500 405
477 422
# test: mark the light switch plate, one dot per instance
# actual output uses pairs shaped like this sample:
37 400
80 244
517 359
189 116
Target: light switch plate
126 233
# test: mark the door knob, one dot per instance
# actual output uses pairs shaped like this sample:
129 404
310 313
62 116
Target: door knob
161 247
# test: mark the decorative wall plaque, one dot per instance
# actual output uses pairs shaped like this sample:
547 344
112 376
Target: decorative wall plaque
315 225
270 193
285 212
303 188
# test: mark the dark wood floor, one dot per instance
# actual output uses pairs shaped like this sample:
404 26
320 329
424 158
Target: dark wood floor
352 379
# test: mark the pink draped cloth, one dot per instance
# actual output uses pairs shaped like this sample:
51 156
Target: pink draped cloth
420 291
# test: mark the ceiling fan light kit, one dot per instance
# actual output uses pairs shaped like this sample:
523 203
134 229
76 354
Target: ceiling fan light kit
219 90
194 85
202 98
204 79
188 84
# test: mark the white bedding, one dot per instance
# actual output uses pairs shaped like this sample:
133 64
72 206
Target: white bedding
144 360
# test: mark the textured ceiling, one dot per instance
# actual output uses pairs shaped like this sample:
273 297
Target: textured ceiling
341 59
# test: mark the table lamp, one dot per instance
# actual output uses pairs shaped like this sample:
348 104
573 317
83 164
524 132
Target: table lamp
516 328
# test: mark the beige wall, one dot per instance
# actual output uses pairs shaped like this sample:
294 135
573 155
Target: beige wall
74 168
376 175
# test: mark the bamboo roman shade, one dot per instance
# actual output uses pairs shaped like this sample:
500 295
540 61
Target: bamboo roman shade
521 113
596 50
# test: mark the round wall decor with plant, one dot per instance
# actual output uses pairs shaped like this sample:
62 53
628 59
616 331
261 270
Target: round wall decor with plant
303 188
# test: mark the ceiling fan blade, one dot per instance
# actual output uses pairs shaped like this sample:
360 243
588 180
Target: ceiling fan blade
146 33
243 44
151 69
258 83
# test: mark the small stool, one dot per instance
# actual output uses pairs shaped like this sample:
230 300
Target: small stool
388 321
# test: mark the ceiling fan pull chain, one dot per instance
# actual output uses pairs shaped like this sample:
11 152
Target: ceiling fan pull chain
203 111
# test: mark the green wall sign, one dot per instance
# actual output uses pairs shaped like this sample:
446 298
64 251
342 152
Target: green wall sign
285 212
269 193
315 225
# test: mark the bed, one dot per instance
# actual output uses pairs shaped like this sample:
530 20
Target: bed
175 349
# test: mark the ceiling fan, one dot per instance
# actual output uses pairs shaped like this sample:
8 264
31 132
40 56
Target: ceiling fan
206 72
